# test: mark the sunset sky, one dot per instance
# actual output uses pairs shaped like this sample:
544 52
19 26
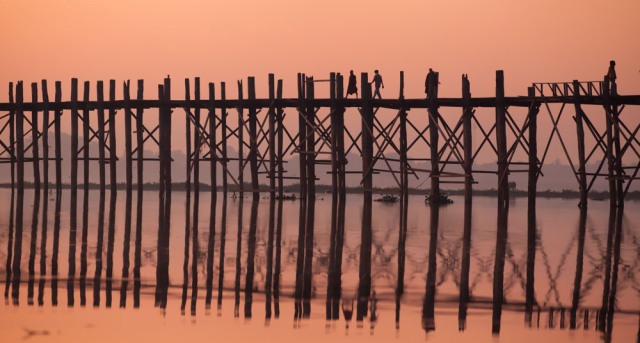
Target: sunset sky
532 41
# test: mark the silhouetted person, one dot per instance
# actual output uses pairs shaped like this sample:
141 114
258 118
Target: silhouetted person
352 87
430 76
612 78
377 80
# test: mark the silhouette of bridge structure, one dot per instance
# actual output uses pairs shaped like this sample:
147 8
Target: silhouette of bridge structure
323 137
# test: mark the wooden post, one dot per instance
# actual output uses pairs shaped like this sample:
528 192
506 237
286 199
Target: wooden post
582 176
12 138
468 202
196 199
240 140
404 199
101 135
253 138
214 194
213 160
58 151
532 230
272 140
311 196
331 274
503 203
113 180
223 140
45 135
364 285
139 196
188 162
433 136
280 136
302 143
611 159
85 136
140 139
74 136
127 139
34 138
20 138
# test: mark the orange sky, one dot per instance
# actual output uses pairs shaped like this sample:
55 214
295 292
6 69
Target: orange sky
543 40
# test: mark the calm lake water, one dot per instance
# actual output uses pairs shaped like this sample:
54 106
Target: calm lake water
109 278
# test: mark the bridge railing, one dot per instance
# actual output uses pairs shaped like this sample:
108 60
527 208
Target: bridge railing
566 89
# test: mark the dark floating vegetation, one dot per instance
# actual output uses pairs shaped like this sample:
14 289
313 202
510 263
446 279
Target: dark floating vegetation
439 199
388 198
286 197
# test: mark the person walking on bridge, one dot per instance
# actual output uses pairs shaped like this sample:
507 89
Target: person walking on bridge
430 76
352 87
377 80
612 78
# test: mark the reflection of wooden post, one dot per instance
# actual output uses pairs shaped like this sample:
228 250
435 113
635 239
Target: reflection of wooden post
58 153
45 134
433 136
468 202
34 137
364 286
503 203
532 235
582 176
302 143
577 283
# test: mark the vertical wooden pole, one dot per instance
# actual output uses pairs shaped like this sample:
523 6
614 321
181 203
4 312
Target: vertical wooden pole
610 144
311 197
331 275
223 140
278 241
433 136
113 180
139 195
35 131
58 151
101 135
302 143
468 202
253 138
74 138
196 199
188 164
127 139
532 230
73 207
364 285
85 136
20 137
503 203
12 137
404 197
45 135
213 160
272 138
240 140
582 176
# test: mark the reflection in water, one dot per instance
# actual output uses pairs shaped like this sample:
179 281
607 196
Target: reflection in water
600 286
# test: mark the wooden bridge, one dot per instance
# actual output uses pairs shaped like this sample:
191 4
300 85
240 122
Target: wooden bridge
263 141
323 137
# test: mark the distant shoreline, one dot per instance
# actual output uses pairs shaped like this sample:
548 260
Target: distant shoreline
323 189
